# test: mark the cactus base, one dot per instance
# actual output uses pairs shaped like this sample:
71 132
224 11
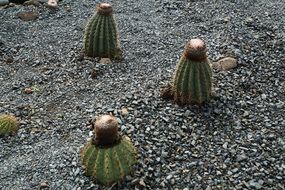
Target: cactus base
111 164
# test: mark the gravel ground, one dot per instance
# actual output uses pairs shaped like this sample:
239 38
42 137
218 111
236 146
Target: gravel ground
236 141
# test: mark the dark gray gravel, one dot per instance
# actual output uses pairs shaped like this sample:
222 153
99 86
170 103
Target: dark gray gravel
237 141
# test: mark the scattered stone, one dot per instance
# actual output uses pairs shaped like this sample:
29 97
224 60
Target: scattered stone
32 2
227 19
9 60
248 21
241 157
53 4
28 91
256 184
263 96
225 64
105 61
4 2
44 185
245 114
28 16
94 73
142 183
124 111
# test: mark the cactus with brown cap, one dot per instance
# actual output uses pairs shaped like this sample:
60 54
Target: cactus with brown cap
101 34
8 125
192 81
108 157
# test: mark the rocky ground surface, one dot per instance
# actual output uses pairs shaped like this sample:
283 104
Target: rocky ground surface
236 141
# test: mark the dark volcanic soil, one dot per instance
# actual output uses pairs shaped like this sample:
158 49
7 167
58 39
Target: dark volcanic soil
236 141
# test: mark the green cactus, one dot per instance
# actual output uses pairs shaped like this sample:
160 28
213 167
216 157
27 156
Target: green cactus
192 81
8 125
108 158
101 35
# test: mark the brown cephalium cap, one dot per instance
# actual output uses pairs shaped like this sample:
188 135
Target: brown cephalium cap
195 50
104 9
106 131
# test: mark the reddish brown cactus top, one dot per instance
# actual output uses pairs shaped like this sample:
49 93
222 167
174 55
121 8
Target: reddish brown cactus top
195 49
104 9
106 131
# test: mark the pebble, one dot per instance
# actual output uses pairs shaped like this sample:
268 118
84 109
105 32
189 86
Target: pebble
256 184
105 61
44 185
225 64
28 16
241 157
4 2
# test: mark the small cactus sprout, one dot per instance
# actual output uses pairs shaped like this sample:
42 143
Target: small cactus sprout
108 157
101 35
8 125
192 81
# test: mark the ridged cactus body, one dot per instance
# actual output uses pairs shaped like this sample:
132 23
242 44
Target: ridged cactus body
101 35
108 158
109 165
8 125
192 81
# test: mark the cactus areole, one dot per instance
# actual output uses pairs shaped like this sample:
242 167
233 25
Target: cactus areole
106 131
105 9
196 50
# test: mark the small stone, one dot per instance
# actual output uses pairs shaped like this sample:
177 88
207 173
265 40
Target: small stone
67 8
32 2
263 96
105 61
44 185
164 154
4 2
245 113
28 16
241 157
135 181
280 105
53 4
248 20
225 145
227 19
169 177
208 188
256 184
93 73
28 91
142 183
124 111
225 64
9 60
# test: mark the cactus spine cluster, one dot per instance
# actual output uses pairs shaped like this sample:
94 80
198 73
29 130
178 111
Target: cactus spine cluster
108 157
192 81
101 35
8 125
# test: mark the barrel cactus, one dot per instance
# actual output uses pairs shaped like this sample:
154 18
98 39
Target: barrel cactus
8 125
101 35
108 157
192 80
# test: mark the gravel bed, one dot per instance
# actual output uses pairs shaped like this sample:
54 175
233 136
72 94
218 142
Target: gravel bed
236 141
